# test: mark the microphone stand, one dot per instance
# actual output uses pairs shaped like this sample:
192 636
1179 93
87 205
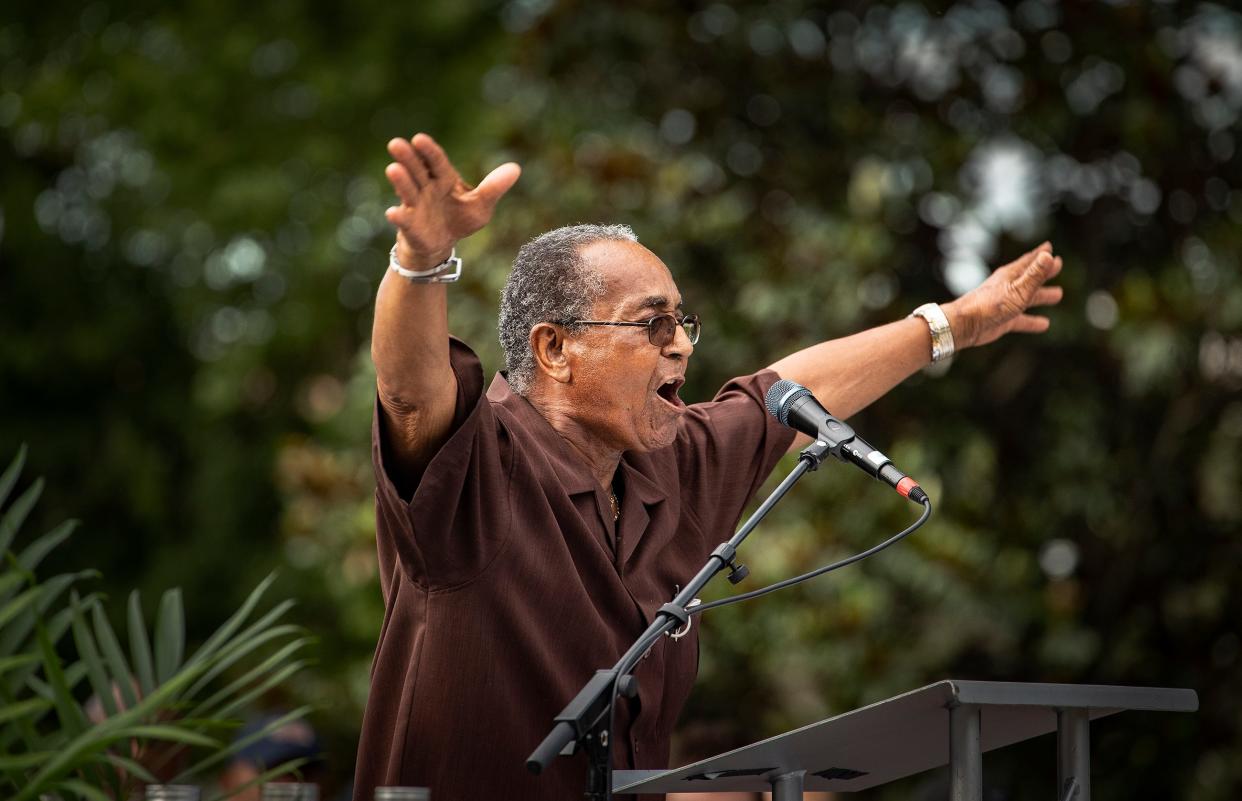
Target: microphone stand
586 721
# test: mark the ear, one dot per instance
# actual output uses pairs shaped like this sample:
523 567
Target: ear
547 344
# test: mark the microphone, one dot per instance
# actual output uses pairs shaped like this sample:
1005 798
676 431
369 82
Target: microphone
795 406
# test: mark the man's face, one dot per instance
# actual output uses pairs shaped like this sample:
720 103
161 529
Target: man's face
624 389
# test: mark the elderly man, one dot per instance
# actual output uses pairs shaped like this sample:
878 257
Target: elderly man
528 533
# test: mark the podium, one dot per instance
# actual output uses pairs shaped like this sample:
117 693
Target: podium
950 722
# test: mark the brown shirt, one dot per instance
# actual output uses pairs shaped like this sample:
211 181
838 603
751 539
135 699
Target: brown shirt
507 586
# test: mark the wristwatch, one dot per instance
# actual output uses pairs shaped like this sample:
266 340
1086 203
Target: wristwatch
445 272
941 334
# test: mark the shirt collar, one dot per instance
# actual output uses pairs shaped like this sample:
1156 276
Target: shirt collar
571 470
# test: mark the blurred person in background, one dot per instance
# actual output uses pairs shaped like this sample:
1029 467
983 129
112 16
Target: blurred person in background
295 740
527 533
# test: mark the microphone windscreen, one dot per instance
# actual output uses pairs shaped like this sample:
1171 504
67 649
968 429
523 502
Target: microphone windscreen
779 397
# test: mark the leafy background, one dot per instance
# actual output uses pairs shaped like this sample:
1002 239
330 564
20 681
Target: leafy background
191 233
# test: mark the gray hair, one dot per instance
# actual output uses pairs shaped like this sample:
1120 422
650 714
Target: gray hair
549 282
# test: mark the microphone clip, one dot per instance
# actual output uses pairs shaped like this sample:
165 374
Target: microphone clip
832 437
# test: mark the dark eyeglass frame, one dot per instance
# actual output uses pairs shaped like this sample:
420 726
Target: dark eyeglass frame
653 327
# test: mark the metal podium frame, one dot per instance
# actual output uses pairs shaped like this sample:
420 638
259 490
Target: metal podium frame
950 722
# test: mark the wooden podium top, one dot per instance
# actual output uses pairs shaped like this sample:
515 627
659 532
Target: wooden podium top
900 736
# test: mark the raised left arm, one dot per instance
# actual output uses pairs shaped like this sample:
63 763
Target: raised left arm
849 373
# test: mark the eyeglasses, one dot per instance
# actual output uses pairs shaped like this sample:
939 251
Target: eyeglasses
661 329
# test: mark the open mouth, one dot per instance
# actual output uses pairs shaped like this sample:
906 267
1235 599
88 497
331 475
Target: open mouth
668 391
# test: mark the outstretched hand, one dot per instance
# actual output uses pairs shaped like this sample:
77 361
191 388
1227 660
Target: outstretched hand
437 207
1001 304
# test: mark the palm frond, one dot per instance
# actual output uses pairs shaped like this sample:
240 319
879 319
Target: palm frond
9 477
15 515
169 635
54 637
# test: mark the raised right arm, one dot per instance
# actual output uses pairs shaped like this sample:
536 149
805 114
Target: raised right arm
409 340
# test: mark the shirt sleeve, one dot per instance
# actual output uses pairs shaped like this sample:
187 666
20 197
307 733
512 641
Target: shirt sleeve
726 449
448 532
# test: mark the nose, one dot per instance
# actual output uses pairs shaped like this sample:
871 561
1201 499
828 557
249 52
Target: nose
680 347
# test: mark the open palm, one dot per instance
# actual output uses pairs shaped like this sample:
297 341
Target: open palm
437 208
1002 303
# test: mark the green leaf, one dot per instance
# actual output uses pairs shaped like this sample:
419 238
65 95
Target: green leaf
131 767
261 669
221 635
9 582
56 628
163 697
16 606
258 626
283 769
228 656
220 724
245 641
83 789
170 733
58 624
237 745
22 728
67 709
34 553
139 648
169 635
73 756
257 691
89 654
12 519
11 473
117 666
24 708
242 641
14 636
17 661
30 759
73 677
80 752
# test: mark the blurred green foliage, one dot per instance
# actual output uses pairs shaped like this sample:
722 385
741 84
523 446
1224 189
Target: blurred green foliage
192 231
147 717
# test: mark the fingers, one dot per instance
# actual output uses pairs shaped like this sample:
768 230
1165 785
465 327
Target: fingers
405 155
1003 300
1033 253
1024 261
497 182
1047 296
440 168
1037 271
1030 324
430 188
396 215
400 179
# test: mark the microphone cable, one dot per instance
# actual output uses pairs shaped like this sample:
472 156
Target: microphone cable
614 691
858 557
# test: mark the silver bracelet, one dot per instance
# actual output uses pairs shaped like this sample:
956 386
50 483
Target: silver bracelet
941 334
440 274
